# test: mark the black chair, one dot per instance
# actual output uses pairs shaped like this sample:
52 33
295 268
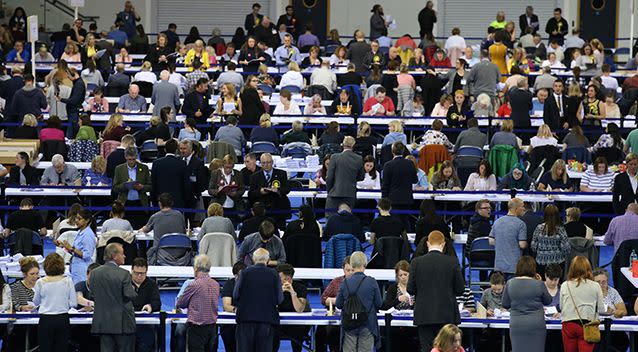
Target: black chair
25 242
612 154
543 156
481 258
388 251
303 250
130 250
115 91
621 259
51 147
318 89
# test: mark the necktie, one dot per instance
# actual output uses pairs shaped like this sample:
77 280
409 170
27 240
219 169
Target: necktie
59 179
560 105
268 176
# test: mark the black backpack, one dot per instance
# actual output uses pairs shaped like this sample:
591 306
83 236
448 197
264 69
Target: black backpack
354 314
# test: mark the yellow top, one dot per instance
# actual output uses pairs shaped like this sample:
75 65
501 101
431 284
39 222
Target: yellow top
190 57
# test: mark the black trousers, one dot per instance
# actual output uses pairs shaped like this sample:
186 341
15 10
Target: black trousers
119 343
228 336
328 338
427 333
201 337
296 335
254 337
53 332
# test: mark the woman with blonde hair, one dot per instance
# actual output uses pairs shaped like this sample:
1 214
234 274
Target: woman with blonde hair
543 137
71 54
339 57
441 108
115 130
505 136
404 78
448 339
314 106
28 129
293 77
228 97
599 52
264 77
145 74
264 132
395 133
216 222
197 53
556 178
96 175
364 143
520 60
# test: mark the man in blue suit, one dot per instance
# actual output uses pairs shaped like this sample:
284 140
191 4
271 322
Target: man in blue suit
169 175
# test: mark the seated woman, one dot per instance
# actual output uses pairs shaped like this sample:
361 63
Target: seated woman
556 179
422 178
543 137
610 139
457 114
86 131
313 58
264 77
616 306
598 179
441 108
332 134
228 103
574 226
285 105
575 139
216 222
482 107
123 57
397 297
197 53
145 74
293 77
314 106
98 103
90 75
482 180
515 179
116 221
115 130
322 173
68 224
430 221
28 129
446 178
96 175
265 132
158 132
505 136
53 131
189 131
395 133
339 57
435 136
611 108
306 224
372 178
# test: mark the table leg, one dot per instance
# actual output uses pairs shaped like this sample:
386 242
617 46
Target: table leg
503 331
161 334
388 338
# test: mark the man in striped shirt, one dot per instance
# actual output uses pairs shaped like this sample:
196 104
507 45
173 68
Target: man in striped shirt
202 315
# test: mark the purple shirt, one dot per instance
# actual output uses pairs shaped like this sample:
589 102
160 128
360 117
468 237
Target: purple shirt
197 297
307 40
621 228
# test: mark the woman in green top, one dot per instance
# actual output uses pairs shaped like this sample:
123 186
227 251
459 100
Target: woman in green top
86 131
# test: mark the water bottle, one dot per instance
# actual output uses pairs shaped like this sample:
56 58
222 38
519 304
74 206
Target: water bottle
532 187
633 257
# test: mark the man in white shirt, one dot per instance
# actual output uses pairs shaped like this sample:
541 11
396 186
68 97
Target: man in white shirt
469 57
608 81
324 77
555 48
574 40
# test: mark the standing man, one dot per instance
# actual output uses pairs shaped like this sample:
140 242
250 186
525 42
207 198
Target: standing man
29 99
435 281
521 103
250 167
345 169
358 51
427 19
399 175
270 187
196 104
74 102
113 292
625 185
165 94
227 332
528 20
201 297
256 295
289 19
555 107
170 176
509 237
131 183
253 19
197 174
147 300
484 77
128 17
557 27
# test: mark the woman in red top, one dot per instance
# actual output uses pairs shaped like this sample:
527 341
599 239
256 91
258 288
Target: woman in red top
505 110
115 130
440 60
53 131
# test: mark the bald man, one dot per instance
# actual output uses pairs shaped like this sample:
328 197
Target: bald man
509 237
344 170
270 187
435 281
132 102
164 94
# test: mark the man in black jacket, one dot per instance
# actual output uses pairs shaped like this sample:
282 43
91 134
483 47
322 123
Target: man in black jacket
169 176
625 191
147 300
74 102
270 186
557 26
196 103
253 19
479 223
399 175
528 19
435 280
343 222
29 99
555 108
427 19
197 176
521 103
290 20
8 89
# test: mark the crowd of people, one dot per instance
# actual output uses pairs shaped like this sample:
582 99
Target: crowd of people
512 78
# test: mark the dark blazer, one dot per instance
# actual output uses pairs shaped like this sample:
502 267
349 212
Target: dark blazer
346 168
271 200
249 22
217 179
522 23
551 112
120 177
256 295
343 222
252 107
113 294
170 176
30 173
197 175
192 104
399 175
521 103
623 193
436 280
113 160
75 100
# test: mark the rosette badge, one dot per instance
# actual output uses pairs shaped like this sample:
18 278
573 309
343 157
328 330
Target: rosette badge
276 184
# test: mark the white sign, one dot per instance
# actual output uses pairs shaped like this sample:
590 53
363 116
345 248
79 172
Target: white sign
76 3
32 25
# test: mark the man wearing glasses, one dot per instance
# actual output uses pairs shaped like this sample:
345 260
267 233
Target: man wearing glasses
270 187
147 300
480 226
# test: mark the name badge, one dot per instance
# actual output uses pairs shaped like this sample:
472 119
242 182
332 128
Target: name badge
463 82
193 178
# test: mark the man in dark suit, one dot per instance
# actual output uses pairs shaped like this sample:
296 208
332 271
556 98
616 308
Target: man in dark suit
117 155
253 19
270 187
256 295
113 294
528 19
131 184
521 103
197 174
345 169
170 176
435 280
196 102
399 175
625 191
555 108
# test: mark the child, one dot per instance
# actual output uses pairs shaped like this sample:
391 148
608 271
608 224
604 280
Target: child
493 296
417 106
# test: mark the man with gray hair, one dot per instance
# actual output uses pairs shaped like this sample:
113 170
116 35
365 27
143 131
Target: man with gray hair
344 170
270 187
521 103
256 295
132 102
545 80
60 174
113 293
366 335
165 94
201 298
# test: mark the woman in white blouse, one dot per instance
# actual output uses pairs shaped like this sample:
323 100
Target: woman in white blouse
285 105
543 137
145 75
483 179
314 106
372 178
293 77
339 57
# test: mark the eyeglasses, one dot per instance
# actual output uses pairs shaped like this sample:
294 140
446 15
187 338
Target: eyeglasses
139 273
485 208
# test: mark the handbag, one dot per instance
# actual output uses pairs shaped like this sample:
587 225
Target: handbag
591 331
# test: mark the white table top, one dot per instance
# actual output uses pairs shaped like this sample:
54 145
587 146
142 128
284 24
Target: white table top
629 276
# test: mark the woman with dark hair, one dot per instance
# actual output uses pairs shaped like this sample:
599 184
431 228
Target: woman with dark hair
592 108
322 173
332 134
117 221
83 247
158 55
193 36
372 178
430 221
53 131
22 292
550 242
611 139
238 38
375 75
446 177
23 173
69 224
139 42
250 55
306 224
397 297
525 296
86 131
575 138
598 179
515 179
251 104
483 179
18 22
189 131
